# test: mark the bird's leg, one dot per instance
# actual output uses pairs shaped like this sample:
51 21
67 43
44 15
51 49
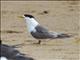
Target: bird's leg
39 42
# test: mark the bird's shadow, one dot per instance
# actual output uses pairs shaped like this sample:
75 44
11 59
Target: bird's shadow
31 43
10 31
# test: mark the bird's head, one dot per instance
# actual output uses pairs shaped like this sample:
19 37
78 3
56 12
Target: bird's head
30 21
27 17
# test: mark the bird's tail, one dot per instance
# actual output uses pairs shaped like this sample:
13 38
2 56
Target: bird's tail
60 35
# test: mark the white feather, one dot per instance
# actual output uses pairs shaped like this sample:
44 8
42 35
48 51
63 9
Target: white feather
31 24
3 58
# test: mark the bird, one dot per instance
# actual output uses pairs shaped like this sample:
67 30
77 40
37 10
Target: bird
38 31
9 53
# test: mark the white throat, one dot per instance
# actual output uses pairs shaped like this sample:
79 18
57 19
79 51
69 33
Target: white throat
31 24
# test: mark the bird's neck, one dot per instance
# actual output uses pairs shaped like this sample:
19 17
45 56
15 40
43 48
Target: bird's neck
31 24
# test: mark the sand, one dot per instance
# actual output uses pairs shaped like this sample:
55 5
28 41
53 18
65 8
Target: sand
61 16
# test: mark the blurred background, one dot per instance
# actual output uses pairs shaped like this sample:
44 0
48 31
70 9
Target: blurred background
59 16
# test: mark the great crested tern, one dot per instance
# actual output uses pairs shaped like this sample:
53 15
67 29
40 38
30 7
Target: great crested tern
39 32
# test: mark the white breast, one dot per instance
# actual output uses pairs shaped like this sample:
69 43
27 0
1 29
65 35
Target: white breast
31 24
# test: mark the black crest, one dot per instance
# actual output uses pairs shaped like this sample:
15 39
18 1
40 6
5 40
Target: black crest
27 15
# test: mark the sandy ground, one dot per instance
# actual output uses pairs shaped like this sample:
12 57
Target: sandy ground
60 17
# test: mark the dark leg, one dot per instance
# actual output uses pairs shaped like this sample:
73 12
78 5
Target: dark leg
39 42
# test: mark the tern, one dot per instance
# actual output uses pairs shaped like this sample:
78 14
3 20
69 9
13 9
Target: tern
38 31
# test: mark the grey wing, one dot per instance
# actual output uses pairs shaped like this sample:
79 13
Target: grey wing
45 33
42 32
41 29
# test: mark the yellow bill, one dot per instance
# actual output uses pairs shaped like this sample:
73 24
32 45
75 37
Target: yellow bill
21 16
